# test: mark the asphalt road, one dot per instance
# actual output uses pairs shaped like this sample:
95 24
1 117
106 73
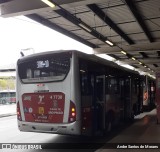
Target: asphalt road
143 130
6 110
9 133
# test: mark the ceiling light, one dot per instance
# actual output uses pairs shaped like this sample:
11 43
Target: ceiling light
109 42
49 3
145 66
123 52
82 71
140 62
133 58
85 27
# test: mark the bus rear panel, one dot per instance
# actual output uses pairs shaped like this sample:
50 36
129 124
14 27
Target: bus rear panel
46 101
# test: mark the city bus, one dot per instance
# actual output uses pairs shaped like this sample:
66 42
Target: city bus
7 96
69 92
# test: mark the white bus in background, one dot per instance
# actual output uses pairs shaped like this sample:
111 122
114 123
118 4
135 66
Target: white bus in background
7 96
69 92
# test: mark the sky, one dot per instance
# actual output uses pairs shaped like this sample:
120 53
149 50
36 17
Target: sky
20 33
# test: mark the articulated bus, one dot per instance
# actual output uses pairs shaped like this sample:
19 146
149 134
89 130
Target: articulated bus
69 92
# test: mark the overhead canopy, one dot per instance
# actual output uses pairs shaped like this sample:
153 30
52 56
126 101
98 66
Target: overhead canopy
133 26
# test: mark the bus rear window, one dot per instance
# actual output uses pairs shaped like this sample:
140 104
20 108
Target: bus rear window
53 67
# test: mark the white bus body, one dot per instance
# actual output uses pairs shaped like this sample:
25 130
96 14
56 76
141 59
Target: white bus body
69 92
46 105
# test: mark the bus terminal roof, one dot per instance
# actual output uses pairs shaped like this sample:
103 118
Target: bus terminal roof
133 26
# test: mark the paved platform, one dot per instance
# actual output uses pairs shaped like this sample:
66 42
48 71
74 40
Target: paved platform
7 110
144 130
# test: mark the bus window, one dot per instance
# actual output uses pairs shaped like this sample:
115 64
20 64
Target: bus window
86 84
45 69
112 86
36 73
29 73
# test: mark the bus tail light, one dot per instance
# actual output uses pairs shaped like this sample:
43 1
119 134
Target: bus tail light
18 112
72 112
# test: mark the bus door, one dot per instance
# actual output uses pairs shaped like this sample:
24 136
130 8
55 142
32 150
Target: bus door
127 99
87 100
139 96
99 104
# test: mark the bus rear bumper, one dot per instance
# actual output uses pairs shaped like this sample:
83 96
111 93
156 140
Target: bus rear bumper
65 128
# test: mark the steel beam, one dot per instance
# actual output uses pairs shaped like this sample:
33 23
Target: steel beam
109 22
55 27
67 15
139 19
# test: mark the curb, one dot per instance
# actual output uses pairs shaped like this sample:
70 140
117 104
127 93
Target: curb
7 115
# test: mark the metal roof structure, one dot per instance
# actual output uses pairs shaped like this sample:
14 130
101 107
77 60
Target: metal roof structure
7 74
132 26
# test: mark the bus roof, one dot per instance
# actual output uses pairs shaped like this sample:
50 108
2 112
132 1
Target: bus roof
91 57
45 53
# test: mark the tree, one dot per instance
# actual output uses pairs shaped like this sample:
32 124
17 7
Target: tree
7 83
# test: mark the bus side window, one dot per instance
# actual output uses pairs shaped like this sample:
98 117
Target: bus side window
112 86
29 73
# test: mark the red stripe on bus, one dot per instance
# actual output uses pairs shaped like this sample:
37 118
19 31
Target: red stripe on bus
44 107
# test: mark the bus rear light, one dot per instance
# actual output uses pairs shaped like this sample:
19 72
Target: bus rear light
73 109
72 112
18 112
